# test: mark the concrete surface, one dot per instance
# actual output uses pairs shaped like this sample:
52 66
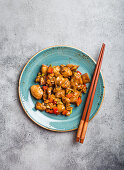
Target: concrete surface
29 26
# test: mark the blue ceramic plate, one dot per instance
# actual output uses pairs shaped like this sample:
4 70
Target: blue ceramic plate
56 56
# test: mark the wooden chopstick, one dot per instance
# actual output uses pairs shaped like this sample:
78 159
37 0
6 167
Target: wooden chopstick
91 101
97 70
88 99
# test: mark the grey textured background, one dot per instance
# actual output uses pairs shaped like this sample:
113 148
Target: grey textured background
27 26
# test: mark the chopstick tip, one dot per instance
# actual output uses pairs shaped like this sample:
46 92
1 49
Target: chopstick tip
77 139
81 141
103 44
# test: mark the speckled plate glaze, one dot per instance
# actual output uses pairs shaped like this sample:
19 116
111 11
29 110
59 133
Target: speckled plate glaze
56 56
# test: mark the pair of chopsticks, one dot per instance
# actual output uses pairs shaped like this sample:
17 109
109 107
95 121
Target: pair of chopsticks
88 105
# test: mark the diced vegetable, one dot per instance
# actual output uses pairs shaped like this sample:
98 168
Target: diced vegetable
55 110
79 101
45 87
64 112
50 70
79 72
69 95
43 74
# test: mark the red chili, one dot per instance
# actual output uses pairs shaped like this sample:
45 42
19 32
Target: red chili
49 111
50 70
79 72
55 110
84 84
45 87
69 95
79 101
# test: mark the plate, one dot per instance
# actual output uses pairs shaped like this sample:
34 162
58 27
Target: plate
56 56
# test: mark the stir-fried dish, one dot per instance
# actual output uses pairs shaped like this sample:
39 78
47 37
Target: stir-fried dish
59 87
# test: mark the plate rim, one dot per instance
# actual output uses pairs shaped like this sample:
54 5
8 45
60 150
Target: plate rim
21 77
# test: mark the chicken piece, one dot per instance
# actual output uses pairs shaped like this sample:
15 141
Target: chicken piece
68 107
66 83
76 80
44 69
36 91
46 101
40 106
76 93
42 80
62 65
66 72
53 96
37 79
69 90
57 101
50 79
50 82
77 75
84 89
44 95
56 89
56 70
50 76
60 107
85 78
59 80
50 106
72 67
74 83
75 96
60 94
49 90
65 100
79 87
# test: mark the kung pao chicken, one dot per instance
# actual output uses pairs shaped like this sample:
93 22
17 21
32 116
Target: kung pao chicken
59 86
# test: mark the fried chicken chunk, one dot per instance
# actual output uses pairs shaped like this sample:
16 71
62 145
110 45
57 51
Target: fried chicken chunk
40 106
85 78
66 71
36 91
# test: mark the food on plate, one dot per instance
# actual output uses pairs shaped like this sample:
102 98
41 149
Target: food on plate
59 87
36 91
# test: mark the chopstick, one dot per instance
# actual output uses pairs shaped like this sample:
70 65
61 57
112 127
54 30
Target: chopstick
84 123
